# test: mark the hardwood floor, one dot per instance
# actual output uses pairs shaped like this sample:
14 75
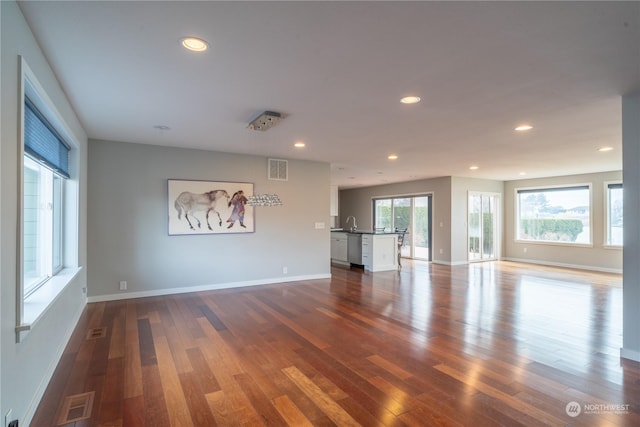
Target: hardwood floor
481 345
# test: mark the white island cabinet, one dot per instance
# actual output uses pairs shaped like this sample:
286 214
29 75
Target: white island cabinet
339 249
375 251
380 252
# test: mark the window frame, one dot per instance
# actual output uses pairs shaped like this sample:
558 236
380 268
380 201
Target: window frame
375 213
540 189
50 236
411 230
607 212
30 308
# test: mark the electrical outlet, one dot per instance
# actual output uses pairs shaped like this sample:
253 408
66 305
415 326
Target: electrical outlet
441 251
525 250
285 270
123 285
7 417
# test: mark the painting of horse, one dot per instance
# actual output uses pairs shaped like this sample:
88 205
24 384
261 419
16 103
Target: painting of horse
191 203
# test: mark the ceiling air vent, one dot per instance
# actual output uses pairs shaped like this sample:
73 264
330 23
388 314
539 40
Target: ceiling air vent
265 121
278 170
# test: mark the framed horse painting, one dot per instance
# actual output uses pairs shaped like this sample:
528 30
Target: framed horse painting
209 207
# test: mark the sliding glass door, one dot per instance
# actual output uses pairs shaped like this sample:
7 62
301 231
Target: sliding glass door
483 229
410 212
421 241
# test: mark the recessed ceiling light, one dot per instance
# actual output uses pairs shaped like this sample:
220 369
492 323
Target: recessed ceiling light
522 173
299 144
410 100
194 44
603 149
522 128
473 168
392 157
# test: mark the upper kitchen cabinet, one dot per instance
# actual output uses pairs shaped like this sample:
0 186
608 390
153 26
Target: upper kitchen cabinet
334 201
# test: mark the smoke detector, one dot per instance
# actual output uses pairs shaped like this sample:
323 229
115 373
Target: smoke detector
265 121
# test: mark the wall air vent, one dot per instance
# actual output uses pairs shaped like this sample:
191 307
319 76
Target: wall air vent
278 170
265 121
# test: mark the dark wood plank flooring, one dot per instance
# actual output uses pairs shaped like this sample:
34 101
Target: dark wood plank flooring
487 344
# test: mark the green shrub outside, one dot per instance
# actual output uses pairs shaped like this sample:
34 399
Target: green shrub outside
551 229
403 219
487 232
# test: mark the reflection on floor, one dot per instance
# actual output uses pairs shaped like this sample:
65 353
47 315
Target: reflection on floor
494 343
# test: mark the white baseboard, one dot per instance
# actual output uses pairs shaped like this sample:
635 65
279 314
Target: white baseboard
200 288
451 264
561 264
625 353
44 382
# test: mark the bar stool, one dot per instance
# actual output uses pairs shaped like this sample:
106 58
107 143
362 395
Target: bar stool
401 233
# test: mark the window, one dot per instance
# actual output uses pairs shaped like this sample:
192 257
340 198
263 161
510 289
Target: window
49 204
412 213
614 214
483 228
45 168
42 225
559 215
382 214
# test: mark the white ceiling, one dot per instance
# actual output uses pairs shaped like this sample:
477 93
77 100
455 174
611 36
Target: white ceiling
338 71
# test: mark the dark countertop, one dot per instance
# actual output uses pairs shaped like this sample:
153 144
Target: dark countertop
362 231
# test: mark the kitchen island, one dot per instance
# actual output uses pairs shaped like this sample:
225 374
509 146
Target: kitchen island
376 251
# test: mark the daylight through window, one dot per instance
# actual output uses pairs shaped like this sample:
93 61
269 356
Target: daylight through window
614 214
46 162
559 215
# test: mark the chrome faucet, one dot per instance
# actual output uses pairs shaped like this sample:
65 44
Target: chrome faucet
355 227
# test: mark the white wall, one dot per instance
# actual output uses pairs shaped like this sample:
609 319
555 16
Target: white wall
27 367
631 279
128 237
596 257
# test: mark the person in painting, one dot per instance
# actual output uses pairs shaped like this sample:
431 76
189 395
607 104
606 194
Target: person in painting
238 201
